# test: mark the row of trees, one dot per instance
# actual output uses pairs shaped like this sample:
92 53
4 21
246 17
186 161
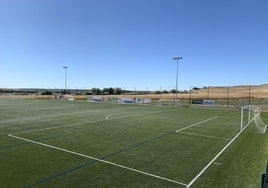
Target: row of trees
105 91
93 91
12 91
119 91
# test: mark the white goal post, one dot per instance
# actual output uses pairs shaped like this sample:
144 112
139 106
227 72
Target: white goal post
169 102
250 114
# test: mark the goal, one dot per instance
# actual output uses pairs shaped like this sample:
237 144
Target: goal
169 102
251 114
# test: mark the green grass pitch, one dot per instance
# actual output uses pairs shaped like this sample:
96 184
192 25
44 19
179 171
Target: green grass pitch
50 143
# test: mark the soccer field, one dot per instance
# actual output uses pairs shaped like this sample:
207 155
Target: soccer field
51 143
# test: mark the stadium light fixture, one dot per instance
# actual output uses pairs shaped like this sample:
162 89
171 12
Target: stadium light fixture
65 67
177 59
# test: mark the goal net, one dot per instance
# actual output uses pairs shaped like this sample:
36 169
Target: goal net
169 102
251 114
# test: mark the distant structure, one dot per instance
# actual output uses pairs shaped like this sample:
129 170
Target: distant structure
65 67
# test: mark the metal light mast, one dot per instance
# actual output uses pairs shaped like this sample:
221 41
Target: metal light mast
177 61
65 67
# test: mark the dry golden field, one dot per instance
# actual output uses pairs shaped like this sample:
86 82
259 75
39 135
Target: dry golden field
234 92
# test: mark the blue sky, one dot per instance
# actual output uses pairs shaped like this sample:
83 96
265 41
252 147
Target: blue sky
130 43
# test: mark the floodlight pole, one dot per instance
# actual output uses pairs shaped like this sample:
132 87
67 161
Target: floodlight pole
65 67
177 61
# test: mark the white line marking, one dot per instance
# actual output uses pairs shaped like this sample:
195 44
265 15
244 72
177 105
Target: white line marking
231 117
45 117
75 124
120 113
219 164
99 160
56 127
131 114
207 136
109 115
206 120
215 158
47 108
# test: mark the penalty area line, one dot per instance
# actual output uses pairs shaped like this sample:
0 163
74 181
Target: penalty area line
206 120
133 114
99 160
206 136
216 157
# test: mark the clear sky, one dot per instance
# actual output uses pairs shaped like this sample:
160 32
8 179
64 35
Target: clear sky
131 43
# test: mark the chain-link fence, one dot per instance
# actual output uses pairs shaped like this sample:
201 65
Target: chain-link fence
234 96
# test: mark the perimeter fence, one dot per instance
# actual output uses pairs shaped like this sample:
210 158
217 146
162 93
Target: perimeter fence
231 97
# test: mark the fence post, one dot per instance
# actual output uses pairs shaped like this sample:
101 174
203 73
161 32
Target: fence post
249 95
227 96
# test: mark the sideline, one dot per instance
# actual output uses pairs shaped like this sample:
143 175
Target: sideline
99 160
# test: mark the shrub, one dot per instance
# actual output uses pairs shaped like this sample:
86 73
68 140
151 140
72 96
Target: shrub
47 93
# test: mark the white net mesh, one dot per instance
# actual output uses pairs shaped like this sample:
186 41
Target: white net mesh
169 102
258 121
252 113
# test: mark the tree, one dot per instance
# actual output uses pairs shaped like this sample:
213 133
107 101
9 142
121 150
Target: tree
47 93
117 91
111 91
196 88
96 91
173 91
105 91
89 93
